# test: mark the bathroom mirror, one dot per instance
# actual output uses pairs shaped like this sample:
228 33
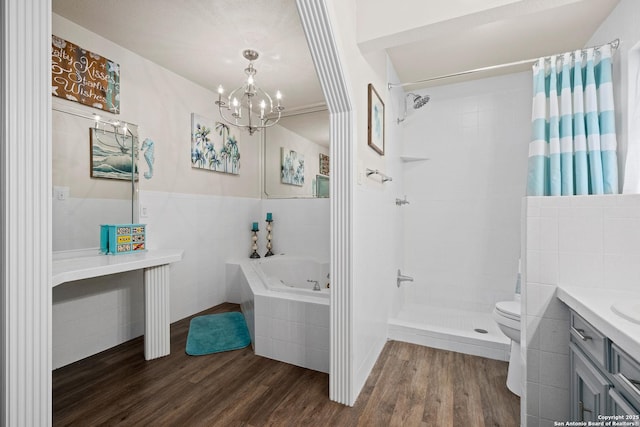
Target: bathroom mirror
94 176
296 155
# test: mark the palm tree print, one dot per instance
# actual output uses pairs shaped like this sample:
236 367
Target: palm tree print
234 153
206 153
201 149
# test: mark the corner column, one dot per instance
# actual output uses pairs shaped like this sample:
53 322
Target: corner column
156 312
25 213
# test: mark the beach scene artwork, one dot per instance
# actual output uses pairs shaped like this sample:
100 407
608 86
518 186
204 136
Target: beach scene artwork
113 155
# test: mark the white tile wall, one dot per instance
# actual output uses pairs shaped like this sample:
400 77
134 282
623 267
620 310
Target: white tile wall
580 241
291 331
75 220
462 228
93 315
300 227
210 230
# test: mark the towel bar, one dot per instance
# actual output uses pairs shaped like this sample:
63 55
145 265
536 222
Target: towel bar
384 177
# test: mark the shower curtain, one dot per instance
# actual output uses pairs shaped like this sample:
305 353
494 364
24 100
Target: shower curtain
573 143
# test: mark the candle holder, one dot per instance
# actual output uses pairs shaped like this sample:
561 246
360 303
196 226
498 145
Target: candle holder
254 246
269 246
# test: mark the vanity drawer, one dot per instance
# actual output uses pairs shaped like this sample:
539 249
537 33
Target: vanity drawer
618 405
626 373
589 339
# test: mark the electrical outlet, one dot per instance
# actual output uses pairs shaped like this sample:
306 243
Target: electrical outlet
60 193
144 211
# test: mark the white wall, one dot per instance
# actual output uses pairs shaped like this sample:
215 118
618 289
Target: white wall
205 213
160 102
300 227
462 226
278 137
374 244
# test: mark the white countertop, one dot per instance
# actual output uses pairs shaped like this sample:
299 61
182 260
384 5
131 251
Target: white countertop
594 305
86 264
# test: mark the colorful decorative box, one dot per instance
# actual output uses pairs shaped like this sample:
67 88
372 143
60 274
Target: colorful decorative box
116 239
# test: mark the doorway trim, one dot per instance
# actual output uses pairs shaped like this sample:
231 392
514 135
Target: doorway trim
324 52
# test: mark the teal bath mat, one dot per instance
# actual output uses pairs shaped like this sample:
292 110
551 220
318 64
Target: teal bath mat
214 333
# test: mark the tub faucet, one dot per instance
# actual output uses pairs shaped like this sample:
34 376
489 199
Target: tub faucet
401 202
316 286
402 278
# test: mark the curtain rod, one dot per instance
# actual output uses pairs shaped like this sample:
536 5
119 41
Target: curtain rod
614 45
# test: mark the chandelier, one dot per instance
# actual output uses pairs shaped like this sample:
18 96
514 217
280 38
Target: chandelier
243 103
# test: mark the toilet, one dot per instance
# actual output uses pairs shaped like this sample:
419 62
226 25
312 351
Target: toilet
507 316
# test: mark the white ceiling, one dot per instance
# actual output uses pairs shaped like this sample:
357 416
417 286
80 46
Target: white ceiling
203 40
514 32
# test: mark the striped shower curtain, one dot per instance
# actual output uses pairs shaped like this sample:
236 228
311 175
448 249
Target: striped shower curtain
573 143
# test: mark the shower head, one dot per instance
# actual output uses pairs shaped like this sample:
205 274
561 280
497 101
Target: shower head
419 101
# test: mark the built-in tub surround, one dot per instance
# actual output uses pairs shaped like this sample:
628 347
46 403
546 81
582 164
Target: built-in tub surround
298 275
286 322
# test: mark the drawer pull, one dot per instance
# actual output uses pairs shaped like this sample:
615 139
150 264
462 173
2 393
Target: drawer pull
580 334
631 385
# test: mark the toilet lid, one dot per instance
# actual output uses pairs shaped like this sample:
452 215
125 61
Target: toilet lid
510 309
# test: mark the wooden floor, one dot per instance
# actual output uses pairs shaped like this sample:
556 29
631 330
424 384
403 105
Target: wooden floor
410 385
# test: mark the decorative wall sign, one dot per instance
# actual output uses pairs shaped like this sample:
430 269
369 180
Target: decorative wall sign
85 77
292 167
111 155
324 164
375 121
204 154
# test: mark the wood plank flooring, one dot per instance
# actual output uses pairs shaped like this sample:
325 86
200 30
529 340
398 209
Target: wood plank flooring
409 386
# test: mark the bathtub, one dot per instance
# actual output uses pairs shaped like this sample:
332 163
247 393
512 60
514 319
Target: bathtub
287 320
291 274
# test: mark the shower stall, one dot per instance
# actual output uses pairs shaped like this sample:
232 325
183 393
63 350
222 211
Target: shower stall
461 237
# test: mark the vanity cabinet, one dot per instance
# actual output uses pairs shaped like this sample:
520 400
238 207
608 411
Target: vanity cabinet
603 377
589 388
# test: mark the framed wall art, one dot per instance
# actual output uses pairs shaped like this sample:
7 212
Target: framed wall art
292 167
206 153
112 155
375 122
324 164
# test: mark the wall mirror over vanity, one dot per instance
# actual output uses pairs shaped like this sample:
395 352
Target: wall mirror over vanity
94 175
95 181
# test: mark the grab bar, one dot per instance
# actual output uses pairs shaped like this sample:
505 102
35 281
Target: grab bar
384 177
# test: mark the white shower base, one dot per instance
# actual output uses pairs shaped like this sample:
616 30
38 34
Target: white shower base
450 329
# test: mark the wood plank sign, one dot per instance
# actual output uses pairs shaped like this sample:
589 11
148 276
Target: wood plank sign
83 76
